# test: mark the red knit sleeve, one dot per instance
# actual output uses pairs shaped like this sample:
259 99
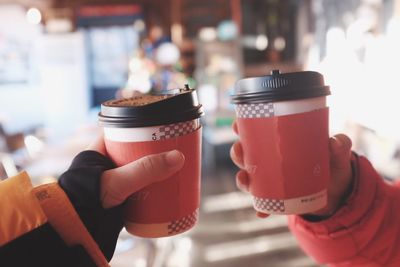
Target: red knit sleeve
364 232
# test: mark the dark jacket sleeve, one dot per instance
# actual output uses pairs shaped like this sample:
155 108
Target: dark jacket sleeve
42 247
81 182
40 227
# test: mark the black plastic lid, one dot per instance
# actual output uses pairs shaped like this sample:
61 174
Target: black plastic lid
167 109
280 87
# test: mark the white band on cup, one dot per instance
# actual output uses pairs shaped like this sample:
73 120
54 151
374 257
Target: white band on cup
183 224
152 133
163 229
299 205
264 110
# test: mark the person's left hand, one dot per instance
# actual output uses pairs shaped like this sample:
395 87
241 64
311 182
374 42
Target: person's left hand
97 189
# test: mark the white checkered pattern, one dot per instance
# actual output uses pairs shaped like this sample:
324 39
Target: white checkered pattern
177 129
269 205
187 222
261 110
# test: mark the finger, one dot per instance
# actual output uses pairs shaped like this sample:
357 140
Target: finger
235 127
341 173
119 183
242 181
236 153
340 148
262 215
98 144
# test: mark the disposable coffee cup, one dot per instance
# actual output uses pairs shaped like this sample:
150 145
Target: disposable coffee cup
282 122
150 124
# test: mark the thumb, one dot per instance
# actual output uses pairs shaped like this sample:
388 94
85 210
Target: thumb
340 147
119 183
98 144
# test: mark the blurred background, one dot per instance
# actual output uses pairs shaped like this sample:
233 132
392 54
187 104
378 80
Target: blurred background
60 59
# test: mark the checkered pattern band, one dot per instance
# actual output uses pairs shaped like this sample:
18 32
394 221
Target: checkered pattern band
177 129
269 205
261 110
183 224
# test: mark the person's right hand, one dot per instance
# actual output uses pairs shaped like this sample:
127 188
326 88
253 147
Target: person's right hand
340 169
119 183
97 188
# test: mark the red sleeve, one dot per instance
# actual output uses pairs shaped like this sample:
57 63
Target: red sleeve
364 232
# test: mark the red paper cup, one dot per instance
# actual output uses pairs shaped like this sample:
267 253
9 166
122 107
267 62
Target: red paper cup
285 140
171 206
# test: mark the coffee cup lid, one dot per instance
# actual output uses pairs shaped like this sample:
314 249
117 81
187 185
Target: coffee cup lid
149 110
279 87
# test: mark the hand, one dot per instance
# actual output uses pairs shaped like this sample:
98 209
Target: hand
340 169
119 183
97 189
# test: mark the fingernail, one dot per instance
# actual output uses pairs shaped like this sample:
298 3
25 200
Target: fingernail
174 158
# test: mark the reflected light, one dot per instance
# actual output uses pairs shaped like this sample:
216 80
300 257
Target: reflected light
227 30
228 201
251 225
33 16
208 95
142 84
352 78
279 43
343 72
356 32
139 25
140 263
47 179
208 34
58 25
393 29
139 77
261 42
167 54
135 64
8 165
180 255
251 246
335 41
184 244
176 33
33 145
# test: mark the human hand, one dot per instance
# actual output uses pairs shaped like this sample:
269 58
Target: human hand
340 170
119 183
97 189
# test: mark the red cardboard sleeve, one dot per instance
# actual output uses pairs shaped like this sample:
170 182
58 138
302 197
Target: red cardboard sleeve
286 156
172 198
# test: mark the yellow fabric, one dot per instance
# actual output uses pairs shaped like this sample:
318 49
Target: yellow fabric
20 211
23 208
64 219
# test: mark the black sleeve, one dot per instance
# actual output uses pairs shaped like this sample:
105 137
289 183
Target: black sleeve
82 185
43 247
